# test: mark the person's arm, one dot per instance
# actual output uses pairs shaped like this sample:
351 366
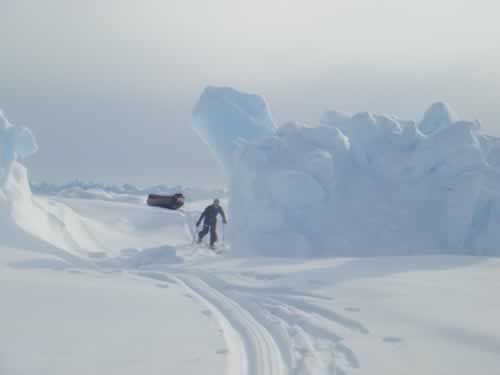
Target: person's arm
201 217
221 211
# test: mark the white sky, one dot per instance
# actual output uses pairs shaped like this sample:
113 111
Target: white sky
108 86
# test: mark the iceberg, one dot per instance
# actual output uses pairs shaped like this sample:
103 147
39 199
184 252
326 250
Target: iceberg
225 119
359 184
438 116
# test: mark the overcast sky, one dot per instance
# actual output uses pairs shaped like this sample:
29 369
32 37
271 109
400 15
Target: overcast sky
108 86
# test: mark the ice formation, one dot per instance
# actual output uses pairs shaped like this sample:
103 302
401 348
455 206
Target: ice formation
15 143
27 221
16 205
226 118
365 184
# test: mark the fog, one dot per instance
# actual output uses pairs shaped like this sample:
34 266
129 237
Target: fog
123 76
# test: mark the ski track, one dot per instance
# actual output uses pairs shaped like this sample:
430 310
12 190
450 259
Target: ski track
237 358
261 355
271 331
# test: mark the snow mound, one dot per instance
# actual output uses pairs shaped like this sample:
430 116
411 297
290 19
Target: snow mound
40 224
23 221
367 184
31 223
225 118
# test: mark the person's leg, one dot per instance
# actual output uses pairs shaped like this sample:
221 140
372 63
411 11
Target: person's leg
213 234
203 232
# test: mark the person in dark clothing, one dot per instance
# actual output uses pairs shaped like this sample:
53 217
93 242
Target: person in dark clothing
209 217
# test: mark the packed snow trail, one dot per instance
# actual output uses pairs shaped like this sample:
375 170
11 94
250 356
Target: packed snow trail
274 331
255 351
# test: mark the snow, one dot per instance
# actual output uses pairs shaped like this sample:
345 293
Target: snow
269 316
30 221
61 320
125 193
110 285
363 184
226 118
358 316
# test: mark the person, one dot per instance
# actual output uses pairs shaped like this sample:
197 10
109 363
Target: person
209 217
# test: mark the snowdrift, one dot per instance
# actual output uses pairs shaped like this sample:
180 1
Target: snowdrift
359 184
49 226
25 221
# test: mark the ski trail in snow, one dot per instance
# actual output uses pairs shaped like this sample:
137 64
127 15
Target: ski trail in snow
270 333
236 362
252 348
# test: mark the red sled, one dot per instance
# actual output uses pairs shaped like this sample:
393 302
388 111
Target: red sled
170 202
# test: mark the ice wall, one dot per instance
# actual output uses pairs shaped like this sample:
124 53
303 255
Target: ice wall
225 118
15 143
367 184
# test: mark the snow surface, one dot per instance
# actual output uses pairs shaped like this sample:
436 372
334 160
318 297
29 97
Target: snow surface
92 286
124 193
30 221
246 316
361 184
59 319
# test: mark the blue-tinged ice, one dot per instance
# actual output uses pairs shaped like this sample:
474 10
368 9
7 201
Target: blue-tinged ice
438 116
15 143
226 118
359 184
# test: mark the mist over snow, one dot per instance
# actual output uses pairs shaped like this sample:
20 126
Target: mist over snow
356 184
